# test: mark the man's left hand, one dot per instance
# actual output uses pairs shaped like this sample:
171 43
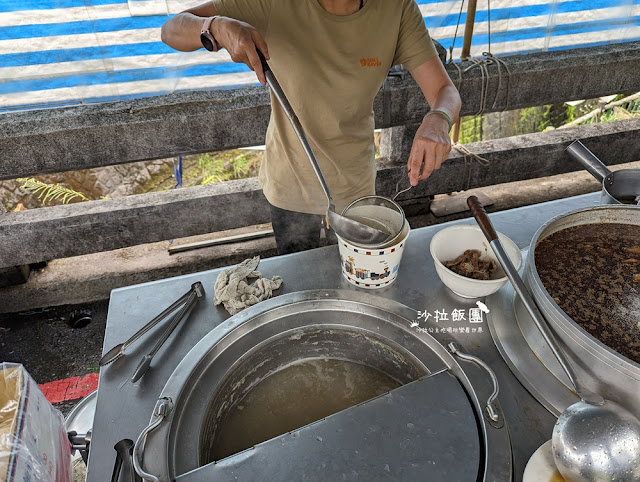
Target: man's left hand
431 146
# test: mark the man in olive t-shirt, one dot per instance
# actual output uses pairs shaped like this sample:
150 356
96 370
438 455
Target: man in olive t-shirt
330 57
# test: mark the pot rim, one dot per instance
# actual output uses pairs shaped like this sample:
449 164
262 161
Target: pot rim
566 325
495 441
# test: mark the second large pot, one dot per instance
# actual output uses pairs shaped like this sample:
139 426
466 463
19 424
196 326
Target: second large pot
603 370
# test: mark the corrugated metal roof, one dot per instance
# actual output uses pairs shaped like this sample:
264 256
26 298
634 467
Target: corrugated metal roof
60 52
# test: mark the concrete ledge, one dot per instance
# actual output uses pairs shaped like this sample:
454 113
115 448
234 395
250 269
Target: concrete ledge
82 228
83 279
14 275
88 278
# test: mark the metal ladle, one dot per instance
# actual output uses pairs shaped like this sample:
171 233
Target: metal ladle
594 439
345 227
619 187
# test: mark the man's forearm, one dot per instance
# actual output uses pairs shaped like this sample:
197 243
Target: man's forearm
448 100
437 87
182 32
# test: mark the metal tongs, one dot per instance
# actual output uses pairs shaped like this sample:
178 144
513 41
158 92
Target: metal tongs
188 300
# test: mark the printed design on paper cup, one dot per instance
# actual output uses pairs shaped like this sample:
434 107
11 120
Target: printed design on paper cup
371 268
366 274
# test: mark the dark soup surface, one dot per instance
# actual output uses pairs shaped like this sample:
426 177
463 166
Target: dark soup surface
592 272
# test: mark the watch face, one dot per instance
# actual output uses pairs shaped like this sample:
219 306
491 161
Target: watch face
207 42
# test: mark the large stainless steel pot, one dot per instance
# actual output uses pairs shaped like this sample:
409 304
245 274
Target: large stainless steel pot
462 438
619 187
602 369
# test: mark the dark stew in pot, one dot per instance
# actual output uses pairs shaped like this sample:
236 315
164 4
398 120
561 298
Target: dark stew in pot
592 272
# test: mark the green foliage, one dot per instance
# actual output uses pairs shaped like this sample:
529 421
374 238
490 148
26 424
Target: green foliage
570 115
50 192
541 118
217 169
471 129
545 120
533 119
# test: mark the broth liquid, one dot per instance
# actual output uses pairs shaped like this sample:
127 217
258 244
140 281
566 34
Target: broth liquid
294 397
592 271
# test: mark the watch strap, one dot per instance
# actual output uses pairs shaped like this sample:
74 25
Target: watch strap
206 32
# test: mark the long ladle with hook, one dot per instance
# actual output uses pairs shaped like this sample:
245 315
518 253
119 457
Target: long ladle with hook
345 227
593 439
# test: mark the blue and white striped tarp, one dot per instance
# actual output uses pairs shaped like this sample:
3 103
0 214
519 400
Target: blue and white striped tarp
62 52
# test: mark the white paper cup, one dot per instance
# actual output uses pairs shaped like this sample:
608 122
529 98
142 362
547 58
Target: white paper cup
372 268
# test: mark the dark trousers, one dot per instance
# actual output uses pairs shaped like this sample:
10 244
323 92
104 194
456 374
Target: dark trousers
296 231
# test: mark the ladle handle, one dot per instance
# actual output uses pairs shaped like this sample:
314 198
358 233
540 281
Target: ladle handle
518 285
295 123
591 163
265 65
477 209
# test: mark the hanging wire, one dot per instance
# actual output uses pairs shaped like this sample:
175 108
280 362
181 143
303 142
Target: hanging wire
455 35
469 157
484 89
489 25
500 62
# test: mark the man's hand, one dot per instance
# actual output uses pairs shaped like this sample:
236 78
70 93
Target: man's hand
431 146
241 41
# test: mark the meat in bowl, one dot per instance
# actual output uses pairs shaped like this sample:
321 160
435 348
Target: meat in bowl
472 265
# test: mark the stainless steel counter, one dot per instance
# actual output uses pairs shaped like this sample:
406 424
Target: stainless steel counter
123 409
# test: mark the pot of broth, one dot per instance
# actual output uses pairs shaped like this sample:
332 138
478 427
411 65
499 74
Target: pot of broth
583 270
312 385
619 187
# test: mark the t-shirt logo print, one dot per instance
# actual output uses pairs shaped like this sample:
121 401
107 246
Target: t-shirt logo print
370 62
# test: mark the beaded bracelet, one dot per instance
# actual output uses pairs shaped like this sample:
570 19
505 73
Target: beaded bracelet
442 113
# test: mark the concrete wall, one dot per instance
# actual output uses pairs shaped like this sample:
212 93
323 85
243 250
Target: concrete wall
39 142
70 230
82 137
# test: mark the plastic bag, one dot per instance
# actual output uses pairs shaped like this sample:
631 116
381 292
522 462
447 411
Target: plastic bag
33 439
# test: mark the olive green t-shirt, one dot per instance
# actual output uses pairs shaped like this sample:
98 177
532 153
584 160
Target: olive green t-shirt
330 67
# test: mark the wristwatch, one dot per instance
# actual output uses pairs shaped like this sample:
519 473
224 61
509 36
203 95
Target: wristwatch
206 37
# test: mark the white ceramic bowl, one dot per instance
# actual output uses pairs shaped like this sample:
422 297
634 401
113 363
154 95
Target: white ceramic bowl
449 243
